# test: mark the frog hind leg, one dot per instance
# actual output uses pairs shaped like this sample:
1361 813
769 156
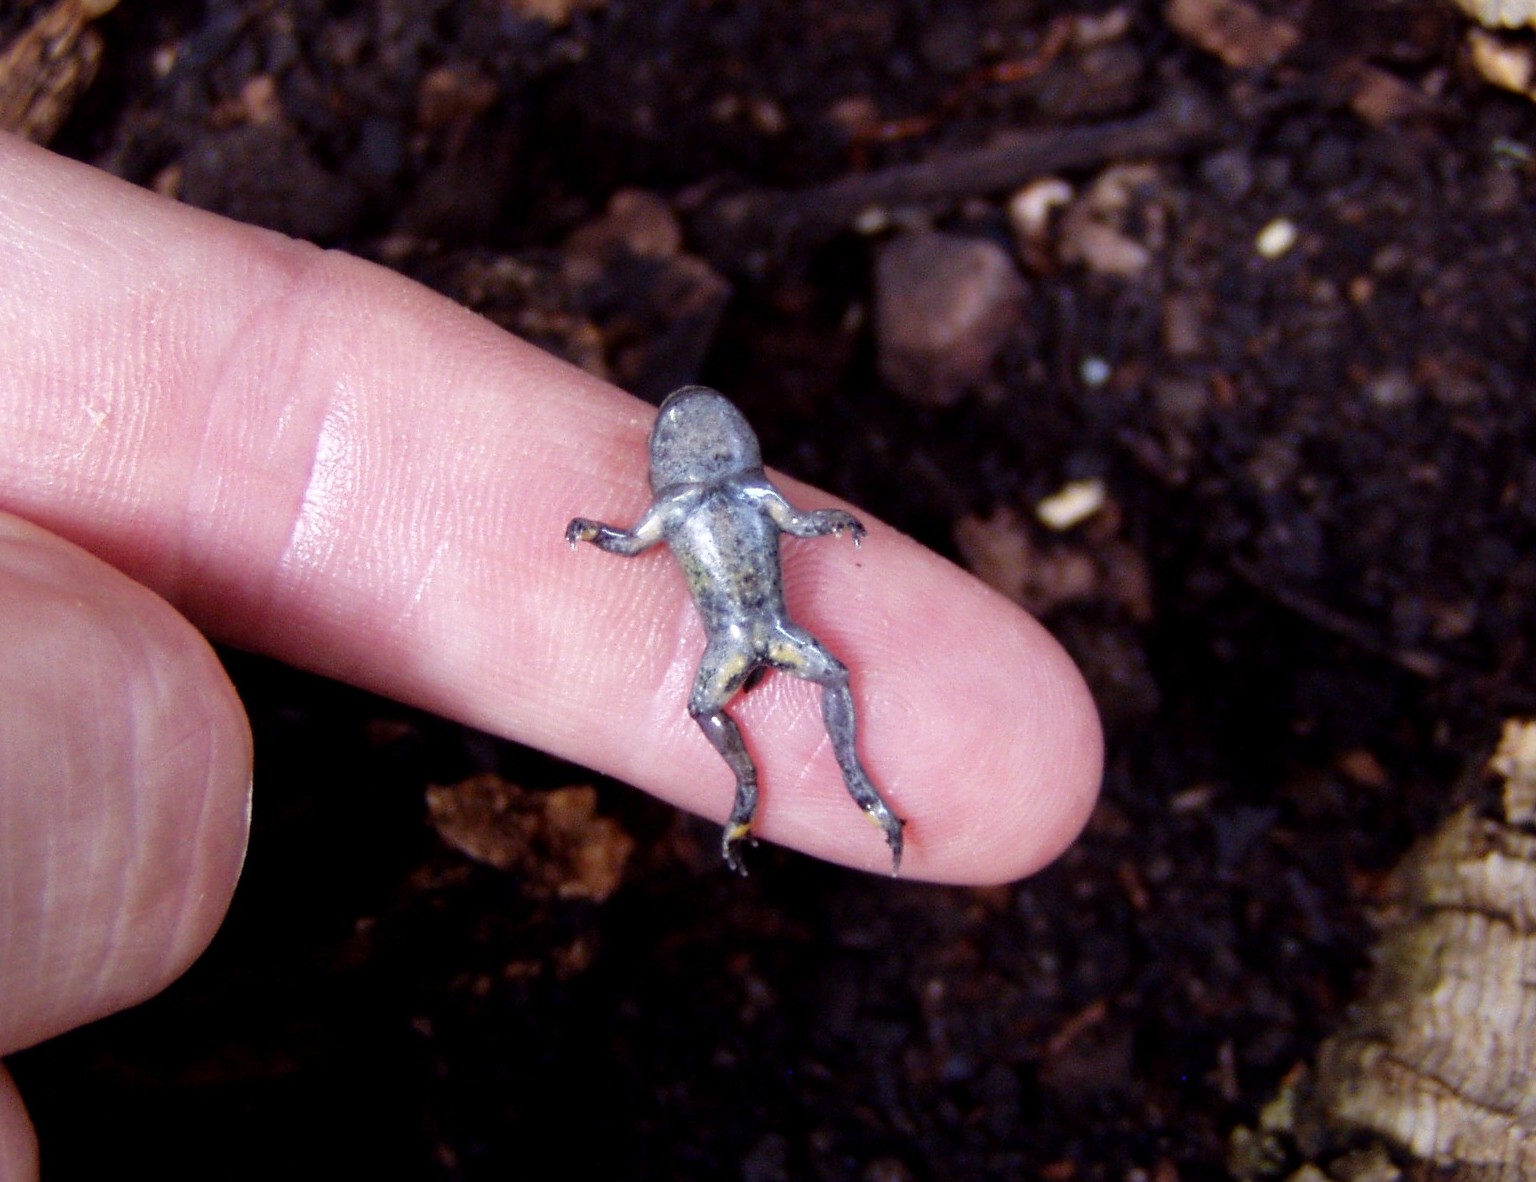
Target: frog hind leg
800 653
722 674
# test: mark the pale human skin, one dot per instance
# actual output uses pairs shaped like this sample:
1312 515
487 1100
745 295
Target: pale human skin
212 429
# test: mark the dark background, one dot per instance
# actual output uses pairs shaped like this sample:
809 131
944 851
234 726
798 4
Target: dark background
1303 612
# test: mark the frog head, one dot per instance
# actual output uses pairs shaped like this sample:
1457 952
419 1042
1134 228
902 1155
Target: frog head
700 438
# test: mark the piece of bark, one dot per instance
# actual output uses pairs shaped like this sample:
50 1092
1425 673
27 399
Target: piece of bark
1442 1059
556 841
1437 1066
944 306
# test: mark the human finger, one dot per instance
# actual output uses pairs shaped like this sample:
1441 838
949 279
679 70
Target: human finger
18 1141
125 768
318 460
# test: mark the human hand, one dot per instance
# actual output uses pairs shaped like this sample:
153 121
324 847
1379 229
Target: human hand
304 455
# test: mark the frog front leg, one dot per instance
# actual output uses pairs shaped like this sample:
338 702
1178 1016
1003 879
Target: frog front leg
723 671
806 523
626 543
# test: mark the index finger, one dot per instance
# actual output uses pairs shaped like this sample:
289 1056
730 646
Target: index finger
316 459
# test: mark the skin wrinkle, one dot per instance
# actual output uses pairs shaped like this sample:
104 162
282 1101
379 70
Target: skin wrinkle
10 838
425 525
31 893
334 477
31 413
182 942
96 959
198 522
162 757
410 611
62 949
540 620
639 600
316 552
37 950
81 460
806 771
265 326
68 221
102 728
122 400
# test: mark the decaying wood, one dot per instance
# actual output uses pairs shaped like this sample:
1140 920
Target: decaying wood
1437 1069
46 68
1443 1060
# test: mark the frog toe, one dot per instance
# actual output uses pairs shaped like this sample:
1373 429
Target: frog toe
891 825
737 834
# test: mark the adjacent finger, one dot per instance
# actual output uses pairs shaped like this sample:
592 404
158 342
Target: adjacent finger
18 1141
124 785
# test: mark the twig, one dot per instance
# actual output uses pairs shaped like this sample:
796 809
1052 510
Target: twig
803 219
1426 665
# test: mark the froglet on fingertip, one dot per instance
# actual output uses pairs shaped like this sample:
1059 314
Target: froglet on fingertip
722 517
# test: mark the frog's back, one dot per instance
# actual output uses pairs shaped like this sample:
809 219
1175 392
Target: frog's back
729 551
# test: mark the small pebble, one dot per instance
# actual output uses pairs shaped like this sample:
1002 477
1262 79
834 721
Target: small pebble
1030 209
1072 504
1390 390
1094 371
872 220
944 306
1104 249
1276 238
1505 64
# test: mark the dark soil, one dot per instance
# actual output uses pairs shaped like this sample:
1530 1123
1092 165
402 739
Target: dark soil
1313 584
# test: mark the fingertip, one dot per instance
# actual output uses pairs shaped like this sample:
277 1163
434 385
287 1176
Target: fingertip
1035 761
1054 761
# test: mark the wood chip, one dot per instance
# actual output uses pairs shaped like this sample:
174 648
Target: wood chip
48 67
555 841
1438 1058
1506 64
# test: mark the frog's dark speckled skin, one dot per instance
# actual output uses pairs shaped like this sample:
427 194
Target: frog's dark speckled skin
717 510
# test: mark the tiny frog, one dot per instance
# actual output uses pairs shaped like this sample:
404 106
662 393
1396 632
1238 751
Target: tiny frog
722 517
